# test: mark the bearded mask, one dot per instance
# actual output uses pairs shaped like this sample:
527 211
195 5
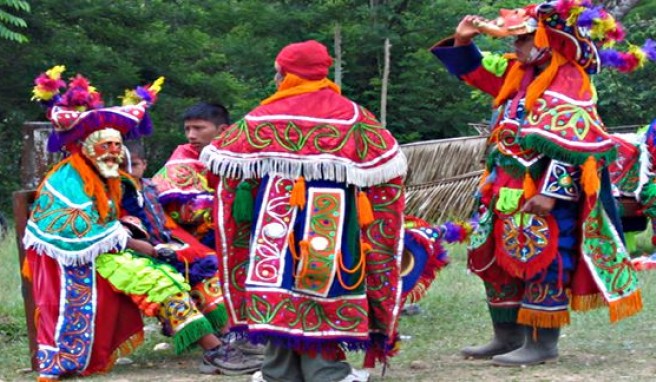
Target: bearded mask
104 148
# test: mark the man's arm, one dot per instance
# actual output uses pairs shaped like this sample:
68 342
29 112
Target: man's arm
462 58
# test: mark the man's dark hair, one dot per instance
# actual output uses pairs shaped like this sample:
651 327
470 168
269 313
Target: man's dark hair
136 149
213 112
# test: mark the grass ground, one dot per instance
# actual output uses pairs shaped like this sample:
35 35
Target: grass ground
453 315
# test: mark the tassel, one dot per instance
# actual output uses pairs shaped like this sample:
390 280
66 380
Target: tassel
242 208
305 248
305 255
543 319
291 244
365 212
190 333
541 39
486 173
218 317
584 303
530 189
298 193
26 271
590 177
625 307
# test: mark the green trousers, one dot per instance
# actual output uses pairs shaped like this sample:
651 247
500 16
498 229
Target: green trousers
285 365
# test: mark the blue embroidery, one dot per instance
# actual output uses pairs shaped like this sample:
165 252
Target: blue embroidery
74 332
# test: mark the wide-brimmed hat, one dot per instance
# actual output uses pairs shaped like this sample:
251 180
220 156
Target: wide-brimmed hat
80 111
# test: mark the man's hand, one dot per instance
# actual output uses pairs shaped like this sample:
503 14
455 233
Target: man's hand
466 30
539 205
142 246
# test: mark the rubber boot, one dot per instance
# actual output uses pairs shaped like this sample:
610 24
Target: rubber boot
535 351
507 337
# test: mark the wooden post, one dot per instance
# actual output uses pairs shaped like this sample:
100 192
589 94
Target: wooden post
383 88
22 200
35 158
35 162
338 54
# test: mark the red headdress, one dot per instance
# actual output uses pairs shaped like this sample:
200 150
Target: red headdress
308 59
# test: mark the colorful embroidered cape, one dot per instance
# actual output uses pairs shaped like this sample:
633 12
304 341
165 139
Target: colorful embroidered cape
318 268
64 223
546 149
185 192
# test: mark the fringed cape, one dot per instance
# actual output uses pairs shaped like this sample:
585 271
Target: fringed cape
315 297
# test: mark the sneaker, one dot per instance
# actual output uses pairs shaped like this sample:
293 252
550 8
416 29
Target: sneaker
249 348
258 377
228 360
356 375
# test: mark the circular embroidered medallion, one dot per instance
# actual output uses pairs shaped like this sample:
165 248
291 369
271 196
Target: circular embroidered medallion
525 243
319 243
274 230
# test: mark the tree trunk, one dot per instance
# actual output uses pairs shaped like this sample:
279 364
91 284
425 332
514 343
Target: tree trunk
383 88
620 8
338 54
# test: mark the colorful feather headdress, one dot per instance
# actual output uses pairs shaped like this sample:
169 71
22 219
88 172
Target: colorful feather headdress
577 29
80 110
586 33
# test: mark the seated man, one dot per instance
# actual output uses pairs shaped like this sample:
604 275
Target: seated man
144 214
183 185
91 280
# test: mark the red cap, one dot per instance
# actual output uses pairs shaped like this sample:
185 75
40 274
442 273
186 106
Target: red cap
308 59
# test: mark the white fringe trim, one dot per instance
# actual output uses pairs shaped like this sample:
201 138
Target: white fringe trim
119 239
645 168
310 168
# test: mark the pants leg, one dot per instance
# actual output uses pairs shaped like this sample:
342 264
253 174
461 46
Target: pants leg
281 364
546 302
503 299
319 369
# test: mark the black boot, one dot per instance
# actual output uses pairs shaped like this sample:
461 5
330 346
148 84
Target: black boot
534 351
507 337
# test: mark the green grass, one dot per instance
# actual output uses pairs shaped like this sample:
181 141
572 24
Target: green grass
453 315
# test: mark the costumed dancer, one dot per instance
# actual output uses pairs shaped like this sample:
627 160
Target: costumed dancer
629 173
548 233
91 280
186 188
647 196
183 184
145 216
309 219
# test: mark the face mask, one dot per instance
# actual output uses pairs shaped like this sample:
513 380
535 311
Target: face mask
104 149
538 56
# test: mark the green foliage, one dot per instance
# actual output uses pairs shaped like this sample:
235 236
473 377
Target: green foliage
8 20
223 51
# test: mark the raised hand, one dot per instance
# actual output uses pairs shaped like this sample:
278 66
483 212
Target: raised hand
467 29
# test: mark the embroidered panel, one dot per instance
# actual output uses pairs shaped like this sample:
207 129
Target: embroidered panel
177 312
279 310
607 257
75 326
271 239
324 223
365 137
561 181
385 236
545 296
207 294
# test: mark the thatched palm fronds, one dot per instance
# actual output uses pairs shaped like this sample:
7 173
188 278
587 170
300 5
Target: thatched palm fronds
444 199
431 161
